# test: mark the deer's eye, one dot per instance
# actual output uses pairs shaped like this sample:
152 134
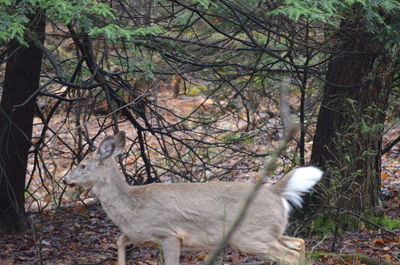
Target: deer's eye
83 166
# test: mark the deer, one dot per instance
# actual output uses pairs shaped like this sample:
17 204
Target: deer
172 216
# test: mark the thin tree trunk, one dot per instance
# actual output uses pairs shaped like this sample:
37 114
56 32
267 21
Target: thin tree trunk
21 80
348 137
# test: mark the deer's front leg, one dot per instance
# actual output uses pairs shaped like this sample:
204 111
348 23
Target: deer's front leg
123 240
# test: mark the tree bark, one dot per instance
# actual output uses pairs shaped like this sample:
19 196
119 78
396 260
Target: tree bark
16 119
348 138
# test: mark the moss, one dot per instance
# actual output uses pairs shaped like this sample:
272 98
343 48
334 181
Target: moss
195 90
347 222
384 221
237 137
322 226
343 258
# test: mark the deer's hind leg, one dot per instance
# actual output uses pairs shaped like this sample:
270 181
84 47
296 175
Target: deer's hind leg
272 250
171 248
122 242
295 244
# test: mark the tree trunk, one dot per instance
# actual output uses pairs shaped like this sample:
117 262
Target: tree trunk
21 81
348 138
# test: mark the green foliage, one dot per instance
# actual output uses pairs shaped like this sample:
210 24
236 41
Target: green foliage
394 106
15 14
87 15
322 226
75 10
13 20
380 17
203 3
351 101
313 10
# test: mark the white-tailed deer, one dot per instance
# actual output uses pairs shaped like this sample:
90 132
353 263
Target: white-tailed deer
194 215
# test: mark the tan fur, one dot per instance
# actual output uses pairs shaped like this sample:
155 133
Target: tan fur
189 215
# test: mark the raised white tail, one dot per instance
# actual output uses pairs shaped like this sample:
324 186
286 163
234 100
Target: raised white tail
300 181
194 215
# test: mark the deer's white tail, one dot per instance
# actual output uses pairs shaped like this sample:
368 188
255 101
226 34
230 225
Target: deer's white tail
296 183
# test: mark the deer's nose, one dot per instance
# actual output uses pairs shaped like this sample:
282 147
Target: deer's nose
69 184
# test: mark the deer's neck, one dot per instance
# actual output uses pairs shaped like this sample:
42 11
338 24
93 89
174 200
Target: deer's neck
115 199
112 187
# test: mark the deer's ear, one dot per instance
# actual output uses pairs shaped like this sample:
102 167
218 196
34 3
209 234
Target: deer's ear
119 142
106 148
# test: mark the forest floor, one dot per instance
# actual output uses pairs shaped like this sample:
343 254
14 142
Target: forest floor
83 234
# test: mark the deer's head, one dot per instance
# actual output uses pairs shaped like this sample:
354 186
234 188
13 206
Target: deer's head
92 169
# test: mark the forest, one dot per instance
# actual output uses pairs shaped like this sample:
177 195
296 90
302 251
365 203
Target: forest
199 91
